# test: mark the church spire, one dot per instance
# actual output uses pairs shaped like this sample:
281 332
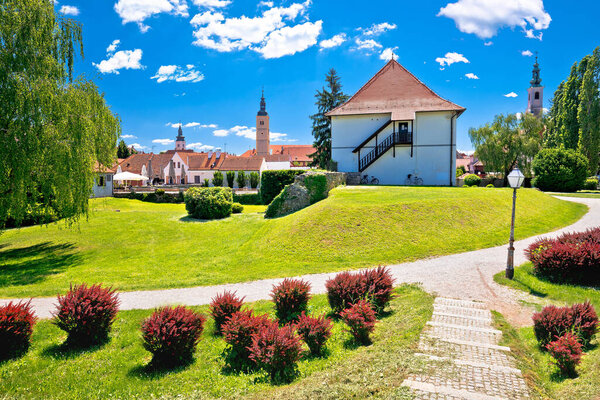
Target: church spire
536 81
180 133
263 104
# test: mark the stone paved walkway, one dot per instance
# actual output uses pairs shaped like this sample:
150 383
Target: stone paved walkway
466 276
465 359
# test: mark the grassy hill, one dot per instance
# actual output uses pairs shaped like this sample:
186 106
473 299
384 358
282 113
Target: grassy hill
135 245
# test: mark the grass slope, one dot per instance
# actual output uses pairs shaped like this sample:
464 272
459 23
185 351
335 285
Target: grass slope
590 194
117 369
536 364
135 245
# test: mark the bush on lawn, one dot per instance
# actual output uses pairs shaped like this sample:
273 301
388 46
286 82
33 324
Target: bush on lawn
217 178
570 258
273 182
238 332
490 186
171 335
223 306
277 351
559 170
314 331
460 171
472 180
254 180
206 183
343 290
86 314
253 199
237 208
291 299
566 351
591 184
241 179
208 203
379 285
361 320
553 322
230 178
16 328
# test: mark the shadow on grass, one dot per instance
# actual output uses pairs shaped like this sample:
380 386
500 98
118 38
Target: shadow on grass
154 370
32 264
65 351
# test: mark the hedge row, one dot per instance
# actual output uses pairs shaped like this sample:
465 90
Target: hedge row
249 199
273 182
159 196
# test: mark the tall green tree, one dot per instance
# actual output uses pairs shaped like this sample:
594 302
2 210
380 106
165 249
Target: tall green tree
52 129
588 112
328 98
507 142
122 150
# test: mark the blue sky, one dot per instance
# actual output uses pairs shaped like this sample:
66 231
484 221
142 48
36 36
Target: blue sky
204 62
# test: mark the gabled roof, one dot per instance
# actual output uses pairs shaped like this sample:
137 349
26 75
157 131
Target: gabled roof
233 163
202 161
394 90
296 152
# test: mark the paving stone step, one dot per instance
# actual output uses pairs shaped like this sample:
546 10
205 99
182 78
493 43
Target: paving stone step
459 303
465 327
427 391
478 364
468 343
461 321
463 315
473 312
465 352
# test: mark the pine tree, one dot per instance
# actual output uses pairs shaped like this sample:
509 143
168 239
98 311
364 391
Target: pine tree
123 150
327 99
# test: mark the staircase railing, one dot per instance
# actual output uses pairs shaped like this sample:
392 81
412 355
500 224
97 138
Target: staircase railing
382 147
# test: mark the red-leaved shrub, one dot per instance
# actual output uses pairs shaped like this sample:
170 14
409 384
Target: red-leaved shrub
277 351
344 290
224 306
566 351
379 286
570 258
16 328
86 314
171 334
361 319
553 322
314 331
291 299
238 332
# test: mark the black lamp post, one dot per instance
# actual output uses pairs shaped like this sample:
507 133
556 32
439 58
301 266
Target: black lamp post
515 180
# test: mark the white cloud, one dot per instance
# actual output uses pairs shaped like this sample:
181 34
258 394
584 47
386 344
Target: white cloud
485 17
69 10
388 53
451 58
250 133
268 34
163 142
192 125
128 137
511 94
526 53
488 43
221 132
531 34
113 46
335 41
471 75
377 29
212 3
265 4
189 73
138 10
139 147
199 146
128 59
367 44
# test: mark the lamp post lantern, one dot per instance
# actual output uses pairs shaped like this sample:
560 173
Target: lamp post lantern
515 180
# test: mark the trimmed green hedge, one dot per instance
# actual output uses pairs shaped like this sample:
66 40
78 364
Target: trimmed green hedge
208 203
273 182
559 170
472 180
159 196
250 199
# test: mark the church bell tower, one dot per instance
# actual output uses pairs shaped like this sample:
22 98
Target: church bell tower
535 102
179 140
262 129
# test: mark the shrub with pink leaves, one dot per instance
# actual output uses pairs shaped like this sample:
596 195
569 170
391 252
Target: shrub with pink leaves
238 332
16 328
86 314
276 350
291 299
171 335
566 351
553 322
344 290
361 319
314 331
223 306
379 285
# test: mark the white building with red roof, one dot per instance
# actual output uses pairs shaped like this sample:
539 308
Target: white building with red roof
395 126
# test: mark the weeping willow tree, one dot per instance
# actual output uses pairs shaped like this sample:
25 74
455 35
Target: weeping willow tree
53 129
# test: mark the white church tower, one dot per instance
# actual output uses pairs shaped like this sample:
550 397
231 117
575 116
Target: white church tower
179 140
262 129
535 102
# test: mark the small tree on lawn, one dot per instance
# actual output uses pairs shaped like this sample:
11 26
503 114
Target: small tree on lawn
230 178
241 179
217 178
254 180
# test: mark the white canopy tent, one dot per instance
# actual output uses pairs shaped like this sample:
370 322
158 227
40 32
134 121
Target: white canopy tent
129 176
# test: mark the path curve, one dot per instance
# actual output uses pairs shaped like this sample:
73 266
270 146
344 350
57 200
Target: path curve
466 276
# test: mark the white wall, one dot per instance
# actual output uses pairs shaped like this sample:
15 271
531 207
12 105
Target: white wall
433 159
103 191
276 165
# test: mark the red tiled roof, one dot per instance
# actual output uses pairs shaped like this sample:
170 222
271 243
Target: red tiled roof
101 168
296 152
234 163
201 161
394 90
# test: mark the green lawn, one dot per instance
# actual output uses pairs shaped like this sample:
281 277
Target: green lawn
117 369
135 245
590 194
536 364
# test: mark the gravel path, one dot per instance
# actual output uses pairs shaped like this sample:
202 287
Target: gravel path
463 276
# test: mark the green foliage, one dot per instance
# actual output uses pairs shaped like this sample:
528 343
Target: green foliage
472 180
559 170
275 205
237 208
460 171
248 198
122 150
230 178
317 186
241 179
591 184
206 183
159 196
254 179
508 142
208 203
217 178
327 99
44 115
490 186
274 181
